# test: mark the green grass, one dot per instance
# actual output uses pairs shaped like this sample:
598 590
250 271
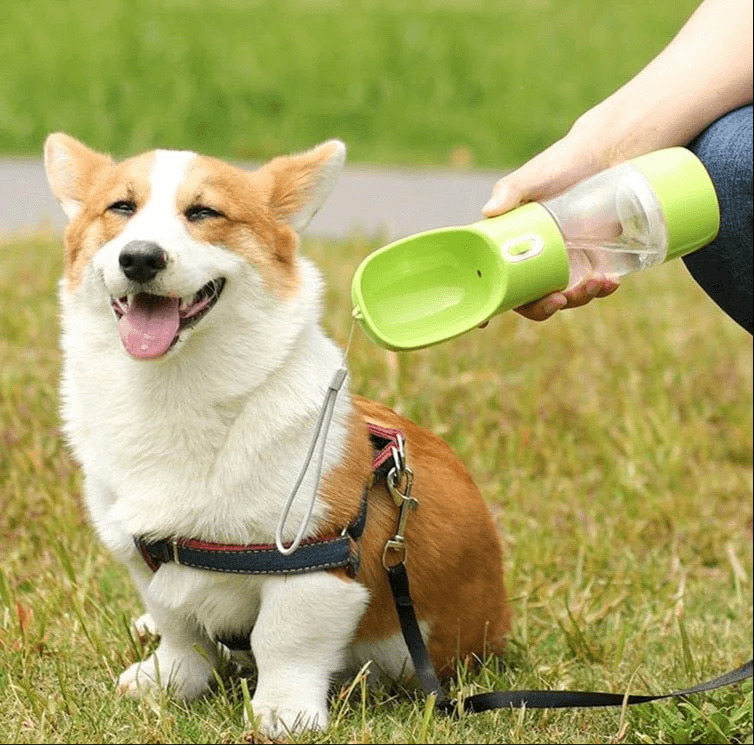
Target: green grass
480 82
613 444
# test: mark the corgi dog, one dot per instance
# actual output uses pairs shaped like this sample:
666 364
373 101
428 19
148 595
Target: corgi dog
194 370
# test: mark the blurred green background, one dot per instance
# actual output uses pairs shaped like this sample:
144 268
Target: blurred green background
470 83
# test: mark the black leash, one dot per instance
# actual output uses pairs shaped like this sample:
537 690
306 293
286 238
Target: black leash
394 559
425 671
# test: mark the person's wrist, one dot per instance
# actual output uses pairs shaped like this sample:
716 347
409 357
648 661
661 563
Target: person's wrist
596 132
616 130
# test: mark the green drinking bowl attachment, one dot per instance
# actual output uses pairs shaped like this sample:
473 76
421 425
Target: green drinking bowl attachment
436 285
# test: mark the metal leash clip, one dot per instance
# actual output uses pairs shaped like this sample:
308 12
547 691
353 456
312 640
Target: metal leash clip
400 476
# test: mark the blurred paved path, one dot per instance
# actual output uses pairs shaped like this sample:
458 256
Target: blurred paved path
385 203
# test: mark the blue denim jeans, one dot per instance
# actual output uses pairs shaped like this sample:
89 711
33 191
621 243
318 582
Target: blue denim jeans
724 268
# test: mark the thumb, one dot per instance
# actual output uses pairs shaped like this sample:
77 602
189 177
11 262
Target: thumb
547 174
504 197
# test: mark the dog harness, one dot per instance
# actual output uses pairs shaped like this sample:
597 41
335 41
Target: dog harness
314 554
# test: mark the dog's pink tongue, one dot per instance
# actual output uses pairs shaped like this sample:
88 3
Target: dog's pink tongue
149 326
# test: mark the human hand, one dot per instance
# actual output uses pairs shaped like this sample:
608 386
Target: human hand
705 72
553 171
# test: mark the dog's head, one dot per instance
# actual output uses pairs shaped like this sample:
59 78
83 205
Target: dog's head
156 245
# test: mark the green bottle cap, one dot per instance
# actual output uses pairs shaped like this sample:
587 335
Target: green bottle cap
687 195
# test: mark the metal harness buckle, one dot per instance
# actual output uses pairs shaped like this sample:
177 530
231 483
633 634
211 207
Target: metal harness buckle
403 500
174 546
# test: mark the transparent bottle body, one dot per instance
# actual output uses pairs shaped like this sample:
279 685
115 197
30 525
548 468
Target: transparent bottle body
612 224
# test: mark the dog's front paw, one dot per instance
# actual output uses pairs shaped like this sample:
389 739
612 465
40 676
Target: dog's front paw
145 626
139 678
276 720
188 677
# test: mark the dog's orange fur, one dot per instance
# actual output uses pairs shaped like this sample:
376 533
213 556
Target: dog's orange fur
252 228
454 557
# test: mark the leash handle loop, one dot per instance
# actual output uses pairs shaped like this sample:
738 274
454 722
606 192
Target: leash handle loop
320 432
321 429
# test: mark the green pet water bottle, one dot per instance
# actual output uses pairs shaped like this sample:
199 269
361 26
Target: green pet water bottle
436 285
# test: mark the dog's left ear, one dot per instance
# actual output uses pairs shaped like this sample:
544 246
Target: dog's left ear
301 183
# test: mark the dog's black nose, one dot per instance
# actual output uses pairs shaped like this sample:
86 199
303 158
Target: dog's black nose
141 260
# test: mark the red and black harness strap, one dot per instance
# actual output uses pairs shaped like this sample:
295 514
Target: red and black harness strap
314 554
385 442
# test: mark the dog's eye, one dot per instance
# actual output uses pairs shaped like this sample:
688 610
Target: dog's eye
123 207
201 212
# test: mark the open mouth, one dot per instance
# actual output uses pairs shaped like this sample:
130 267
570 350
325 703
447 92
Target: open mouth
149 325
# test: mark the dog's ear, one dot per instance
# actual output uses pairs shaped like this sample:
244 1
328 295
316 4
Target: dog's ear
70 167
301 183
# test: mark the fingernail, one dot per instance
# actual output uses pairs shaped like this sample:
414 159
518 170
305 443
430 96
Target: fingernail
552 305
592 287
492 205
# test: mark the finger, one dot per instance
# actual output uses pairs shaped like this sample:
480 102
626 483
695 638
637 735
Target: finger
576 297
525 184
582 293
541 310
590 288
503 198
609 286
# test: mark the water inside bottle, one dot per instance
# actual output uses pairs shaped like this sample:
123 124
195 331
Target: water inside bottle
613 258
612 224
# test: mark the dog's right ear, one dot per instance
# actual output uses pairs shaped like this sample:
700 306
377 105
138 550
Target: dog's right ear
70 167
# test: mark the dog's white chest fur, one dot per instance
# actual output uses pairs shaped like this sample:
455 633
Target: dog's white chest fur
172 456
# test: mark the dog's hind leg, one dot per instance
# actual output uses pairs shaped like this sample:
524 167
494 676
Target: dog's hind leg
299 641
